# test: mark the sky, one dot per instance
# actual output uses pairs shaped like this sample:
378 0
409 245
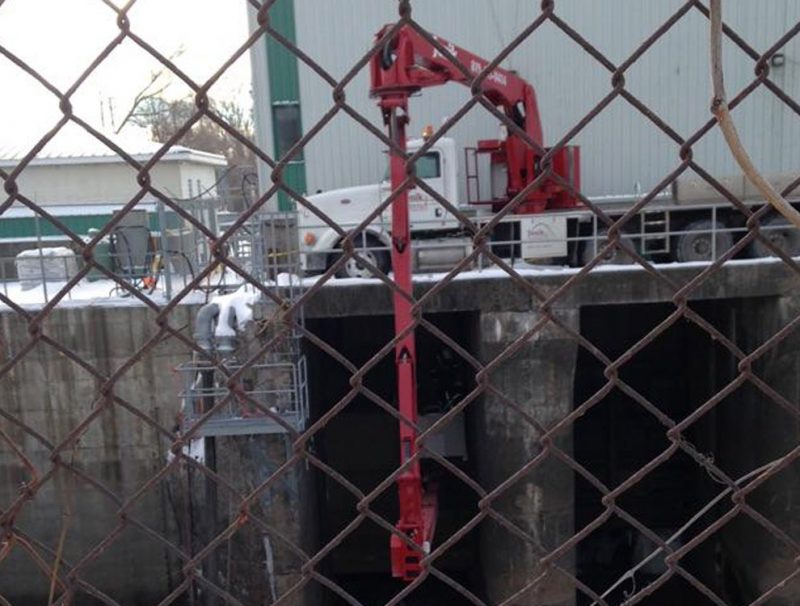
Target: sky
60 39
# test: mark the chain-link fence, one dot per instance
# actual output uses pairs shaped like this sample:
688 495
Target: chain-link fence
603 388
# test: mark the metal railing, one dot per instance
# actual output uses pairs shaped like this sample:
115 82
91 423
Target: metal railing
165 261
700 234
278 386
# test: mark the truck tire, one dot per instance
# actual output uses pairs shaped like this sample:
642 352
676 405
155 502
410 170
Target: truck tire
372 253
781 234
698 245
614 257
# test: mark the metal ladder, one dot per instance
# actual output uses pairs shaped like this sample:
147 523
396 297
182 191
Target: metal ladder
471 172
654 228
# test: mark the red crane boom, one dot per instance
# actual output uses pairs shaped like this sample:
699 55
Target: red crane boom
407 63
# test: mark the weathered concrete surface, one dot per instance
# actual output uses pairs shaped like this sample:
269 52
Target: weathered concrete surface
51 394
493 291
45 396
265 559
538 378
754 430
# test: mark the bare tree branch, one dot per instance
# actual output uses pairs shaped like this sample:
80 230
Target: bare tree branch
150 91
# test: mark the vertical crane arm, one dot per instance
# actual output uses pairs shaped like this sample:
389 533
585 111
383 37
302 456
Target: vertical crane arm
405 64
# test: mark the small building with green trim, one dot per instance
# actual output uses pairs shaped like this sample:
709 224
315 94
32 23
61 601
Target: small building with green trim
81 181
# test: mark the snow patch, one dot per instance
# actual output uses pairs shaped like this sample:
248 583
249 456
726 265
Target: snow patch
196 449
106 293
286 279
525 269
240 303
74 210
55 251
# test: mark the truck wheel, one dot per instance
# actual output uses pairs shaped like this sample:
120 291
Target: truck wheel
699 245
613 257
373 253
782 235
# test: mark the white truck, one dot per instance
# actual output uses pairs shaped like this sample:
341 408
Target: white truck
691 221
348 207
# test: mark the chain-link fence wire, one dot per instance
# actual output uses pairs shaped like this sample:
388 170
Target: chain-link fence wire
232 507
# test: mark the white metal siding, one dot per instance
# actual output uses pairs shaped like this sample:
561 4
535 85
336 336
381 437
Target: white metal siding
108 183
620 147
262 110
203 179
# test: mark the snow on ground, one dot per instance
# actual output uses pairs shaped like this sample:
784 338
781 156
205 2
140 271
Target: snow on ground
530 270
106 293
56 251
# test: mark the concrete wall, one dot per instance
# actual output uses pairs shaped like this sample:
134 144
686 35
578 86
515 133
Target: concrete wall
536 508
51 394
755 427
748 301
46 395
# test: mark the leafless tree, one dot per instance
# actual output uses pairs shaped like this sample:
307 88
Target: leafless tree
155 88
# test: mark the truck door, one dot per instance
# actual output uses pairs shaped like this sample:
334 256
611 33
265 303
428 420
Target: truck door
426 212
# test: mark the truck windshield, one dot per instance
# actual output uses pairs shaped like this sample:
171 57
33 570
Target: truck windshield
429 166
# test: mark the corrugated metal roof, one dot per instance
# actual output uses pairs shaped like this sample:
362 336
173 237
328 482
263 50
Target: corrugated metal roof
73 145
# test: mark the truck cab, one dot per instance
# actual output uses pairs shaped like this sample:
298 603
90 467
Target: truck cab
320 243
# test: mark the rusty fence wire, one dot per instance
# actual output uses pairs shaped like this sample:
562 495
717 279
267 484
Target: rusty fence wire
116 491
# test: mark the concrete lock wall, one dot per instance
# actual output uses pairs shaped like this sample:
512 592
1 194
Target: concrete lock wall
535 510
755 428
51 394
538 504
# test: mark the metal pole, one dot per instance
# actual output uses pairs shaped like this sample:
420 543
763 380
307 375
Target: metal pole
260 246
66 275
210 565
162 221
41 255
713 233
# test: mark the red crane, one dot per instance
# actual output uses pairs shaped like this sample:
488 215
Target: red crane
407 63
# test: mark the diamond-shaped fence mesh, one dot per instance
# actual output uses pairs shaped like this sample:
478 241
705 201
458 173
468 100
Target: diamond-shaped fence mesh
203 391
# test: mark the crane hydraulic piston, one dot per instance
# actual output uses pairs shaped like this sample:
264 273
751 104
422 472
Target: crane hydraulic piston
417 508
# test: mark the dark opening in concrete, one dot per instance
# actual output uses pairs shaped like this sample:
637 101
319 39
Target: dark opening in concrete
618 436
361 444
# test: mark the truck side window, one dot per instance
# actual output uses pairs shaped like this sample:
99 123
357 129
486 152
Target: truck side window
429 166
